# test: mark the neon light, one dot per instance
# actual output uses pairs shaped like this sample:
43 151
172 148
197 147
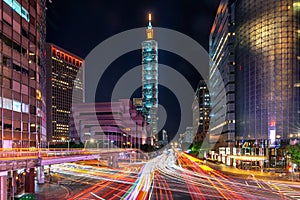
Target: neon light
66 55
18 8
272 123
148 86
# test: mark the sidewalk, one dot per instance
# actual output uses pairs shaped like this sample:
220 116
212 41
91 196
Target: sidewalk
247 173
50 190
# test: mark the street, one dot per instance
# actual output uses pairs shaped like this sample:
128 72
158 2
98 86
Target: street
174 175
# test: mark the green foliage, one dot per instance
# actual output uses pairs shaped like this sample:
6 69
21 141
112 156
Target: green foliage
147 148
195 148
76 145
294 150
25 196
65 145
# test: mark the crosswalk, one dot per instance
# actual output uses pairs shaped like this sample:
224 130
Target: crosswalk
285 190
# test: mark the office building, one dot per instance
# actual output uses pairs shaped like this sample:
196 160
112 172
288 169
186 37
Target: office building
109 124
138 103
163 141
150 81
64 87
263 49
22 50
201 111
267 75
222 77
189 135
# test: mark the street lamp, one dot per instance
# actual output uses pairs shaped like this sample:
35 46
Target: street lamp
64 139
85 143
92 140
98 142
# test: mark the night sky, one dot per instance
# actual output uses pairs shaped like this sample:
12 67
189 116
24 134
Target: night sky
80 25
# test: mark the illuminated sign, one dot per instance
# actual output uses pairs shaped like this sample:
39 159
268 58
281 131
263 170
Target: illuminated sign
272 123
234 151
18 8
67 57
272 136
227 150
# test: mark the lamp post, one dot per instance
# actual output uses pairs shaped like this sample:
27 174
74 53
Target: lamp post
64 139
276 149
92 140
85 143
84 146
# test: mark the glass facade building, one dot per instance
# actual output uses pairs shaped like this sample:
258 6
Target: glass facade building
150 80
255 47
267 71
22 70
64 87
222 77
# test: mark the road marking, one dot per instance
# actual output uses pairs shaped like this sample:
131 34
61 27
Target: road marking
287 191
97 196
260 184
117 196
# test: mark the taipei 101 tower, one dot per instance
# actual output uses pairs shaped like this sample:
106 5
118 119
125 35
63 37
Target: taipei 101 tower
150 82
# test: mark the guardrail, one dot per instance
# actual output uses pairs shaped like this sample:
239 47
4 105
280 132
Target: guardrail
39 153
57 152
13 159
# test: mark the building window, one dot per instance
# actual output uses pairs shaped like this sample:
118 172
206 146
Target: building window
32 110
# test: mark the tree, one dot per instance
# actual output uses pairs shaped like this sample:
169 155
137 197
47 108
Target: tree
294 150
147 148
195 148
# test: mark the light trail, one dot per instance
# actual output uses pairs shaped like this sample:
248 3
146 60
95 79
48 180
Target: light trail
162 178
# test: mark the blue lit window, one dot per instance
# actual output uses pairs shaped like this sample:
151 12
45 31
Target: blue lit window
18 8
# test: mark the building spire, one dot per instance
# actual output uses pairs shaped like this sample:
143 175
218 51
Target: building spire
149 30
149 18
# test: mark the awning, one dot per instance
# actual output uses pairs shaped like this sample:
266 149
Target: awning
249 158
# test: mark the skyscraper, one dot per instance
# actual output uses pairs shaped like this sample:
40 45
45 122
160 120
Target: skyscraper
22 36
255 47
150 81
222 76
138 104
201 111
267 71
64 87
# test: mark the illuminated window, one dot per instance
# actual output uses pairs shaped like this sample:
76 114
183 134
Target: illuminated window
18 8
296 5
38 95
14 105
